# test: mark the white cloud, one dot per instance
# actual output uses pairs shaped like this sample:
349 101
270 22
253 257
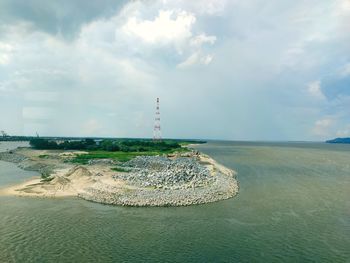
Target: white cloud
314 89
205 7
342 7
169 29
4 59
206 60
196 58
201 39
322 127
5 53
5 47
169 26
345 70
118 64
344 132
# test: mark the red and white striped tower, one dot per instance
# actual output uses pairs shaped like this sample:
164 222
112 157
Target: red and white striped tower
157 135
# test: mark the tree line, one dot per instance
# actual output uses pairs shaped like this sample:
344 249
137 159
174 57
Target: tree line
123 145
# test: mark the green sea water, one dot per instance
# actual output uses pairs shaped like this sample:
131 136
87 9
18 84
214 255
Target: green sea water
293 206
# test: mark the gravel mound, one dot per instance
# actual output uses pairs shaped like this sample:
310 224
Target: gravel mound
162 172
223 188
78 172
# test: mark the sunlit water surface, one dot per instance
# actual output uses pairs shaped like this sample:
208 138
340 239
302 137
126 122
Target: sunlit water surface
293 206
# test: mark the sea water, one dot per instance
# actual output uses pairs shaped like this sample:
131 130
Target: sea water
293 206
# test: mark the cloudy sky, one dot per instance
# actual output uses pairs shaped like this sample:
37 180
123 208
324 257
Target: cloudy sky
223 69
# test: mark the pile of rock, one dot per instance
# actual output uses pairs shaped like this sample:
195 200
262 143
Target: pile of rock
162 172
224 187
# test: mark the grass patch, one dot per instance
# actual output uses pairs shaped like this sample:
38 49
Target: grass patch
119 156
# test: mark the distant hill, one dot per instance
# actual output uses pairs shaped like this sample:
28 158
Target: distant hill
339 140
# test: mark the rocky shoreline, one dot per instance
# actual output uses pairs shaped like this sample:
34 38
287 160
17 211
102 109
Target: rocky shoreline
176 180
164 182
221 189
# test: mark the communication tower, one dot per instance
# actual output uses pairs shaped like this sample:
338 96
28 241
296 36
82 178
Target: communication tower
157 135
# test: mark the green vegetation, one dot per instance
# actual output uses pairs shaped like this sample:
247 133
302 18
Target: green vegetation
118 149
119 156
123 145
45 144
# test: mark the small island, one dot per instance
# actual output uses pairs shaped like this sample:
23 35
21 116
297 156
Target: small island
339 140
122 172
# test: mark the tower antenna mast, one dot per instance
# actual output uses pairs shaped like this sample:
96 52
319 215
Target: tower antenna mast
157 135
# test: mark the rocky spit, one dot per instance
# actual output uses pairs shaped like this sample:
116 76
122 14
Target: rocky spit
180 180
223 188
159 181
